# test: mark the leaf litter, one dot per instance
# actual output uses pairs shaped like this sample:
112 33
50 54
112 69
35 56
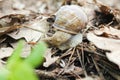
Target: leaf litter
91 54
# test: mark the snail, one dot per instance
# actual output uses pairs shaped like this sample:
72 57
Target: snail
69 22
70 18
58 38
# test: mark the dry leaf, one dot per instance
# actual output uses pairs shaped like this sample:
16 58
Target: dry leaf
107 44
10 23
2 30
8 29
113 3
49 59
109 10
33 32
28 34
74 69
18 5
109 31
116 14
5 52
70 69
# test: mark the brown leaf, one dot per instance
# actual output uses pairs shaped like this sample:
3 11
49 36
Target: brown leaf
18 5
49 60
9 29
109 31
74 69
70 69
5 52
28 34
107 44
109 10
32 32
8 23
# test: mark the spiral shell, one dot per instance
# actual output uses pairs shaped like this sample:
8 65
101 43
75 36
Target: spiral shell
71 18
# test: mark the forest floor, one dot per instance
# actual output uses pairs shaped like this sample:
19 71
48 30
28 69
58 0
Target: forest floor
96 54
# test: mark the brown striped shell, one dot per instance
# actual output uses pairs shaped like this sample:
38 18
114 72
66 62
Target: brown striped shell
70 18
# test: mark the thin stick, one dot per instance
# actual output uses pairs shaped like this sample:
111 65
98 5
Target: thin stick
76 75
98 70
66 53
48 74
70 57
81 63
68 62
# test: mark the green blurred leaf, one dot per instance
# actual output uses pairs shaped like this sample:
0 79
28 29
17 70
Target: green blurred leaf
15 58
37 55
4 73
23 72
18 69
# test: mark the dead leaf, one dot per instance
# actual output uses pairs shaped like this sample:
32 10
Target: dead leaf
28 34
74 69
109 31
109 10
32 32
5 52
117 15
107 44
49 59
113 3
70 69
2 30
9 29
18 5
10 23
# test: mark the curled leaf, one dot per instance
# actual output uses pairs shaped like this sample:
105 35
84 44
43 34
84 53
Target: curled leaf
49 60
112 45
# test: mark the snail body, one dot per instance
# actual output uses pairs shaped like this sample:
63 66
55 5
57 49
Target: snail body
69 22
70 18
58 38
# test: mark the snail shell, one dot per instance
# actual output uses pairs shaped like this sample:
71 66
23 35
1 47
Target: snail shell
70 18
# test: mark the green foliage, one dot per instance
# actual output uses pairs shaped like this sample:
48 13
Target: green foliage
19 69
35 59
3 73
